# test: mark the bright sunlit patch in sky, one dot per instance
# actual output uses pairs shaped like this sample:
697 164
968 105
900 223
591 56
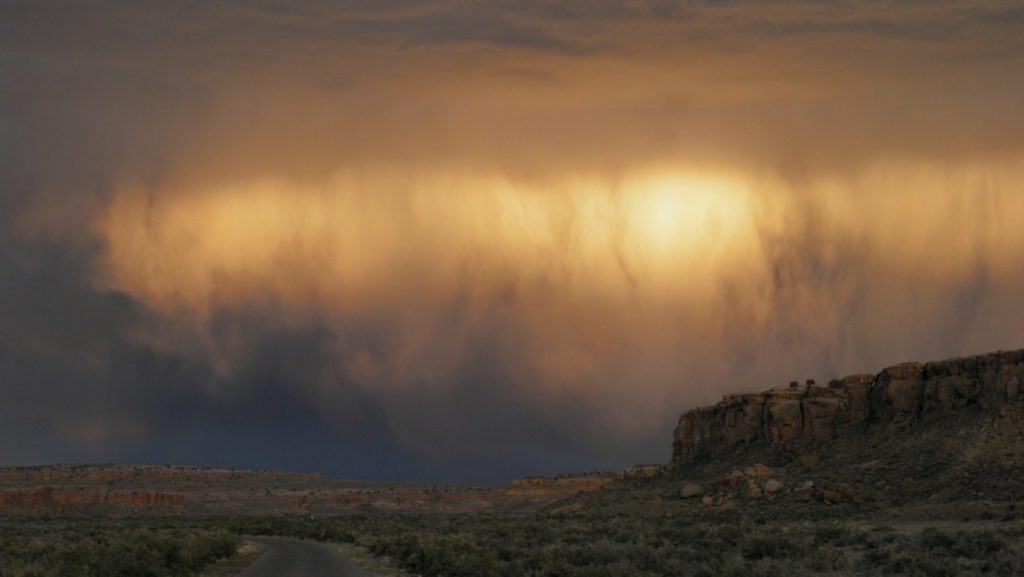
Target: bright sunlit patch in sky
676 216
351 242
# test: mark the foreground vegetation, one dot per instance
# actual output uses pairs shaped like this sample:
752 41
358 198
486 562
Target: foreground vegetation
589 545
88 548
721 543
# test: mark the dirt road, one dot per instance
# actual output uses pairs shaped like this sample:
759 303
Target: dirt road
290 558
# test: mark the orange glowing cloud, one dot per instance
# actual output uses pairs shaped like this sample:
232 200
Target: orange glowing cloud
352 243
619 291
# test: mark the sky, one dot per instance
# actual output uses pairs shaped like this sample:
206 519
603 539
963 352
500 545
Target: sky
439 240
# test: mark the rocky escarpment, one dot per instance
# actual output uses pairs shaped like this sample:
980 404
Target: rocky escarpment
901 395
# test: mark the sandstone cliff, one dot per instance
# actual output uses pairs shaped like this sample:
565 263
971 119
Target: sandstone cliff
813 414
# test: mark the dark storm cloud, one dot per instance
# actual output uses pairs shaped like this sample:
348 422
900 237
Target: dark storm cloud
77 388
57 341
267 415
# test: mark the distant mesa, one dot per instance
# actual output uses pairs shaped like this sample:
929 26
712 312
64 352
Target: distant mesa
134 474
152 489
79 499
568 485
811 414
560 486
160 489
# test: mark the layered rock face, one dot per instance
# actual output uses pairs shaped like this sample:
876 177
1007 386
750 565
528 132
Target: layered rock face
62 501
899 395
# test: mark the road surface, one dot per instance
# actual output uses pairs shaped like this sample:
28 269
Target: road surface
289 558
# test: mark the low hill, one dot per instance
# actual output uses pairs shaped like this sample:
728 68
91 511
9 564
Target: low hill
162 489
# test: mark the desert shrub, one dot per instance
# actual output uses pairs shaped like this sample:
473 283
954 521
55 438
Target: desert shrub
932 538
826 559
978 544
830 533
766 547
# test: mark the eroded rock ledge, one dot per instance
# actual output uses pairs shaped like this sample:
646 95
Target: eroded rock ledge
902 394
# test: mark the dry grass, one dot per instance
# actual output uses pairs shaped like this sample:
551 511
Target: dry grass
247 552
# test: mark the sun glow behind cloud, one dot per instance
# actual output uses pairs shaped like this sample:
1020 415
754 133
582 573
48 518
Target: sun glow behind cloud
587 280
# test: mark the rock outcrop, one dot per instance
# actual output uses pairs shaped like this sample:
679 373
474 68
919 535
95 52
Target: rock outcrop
639 472
772 487
691 490
897 396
